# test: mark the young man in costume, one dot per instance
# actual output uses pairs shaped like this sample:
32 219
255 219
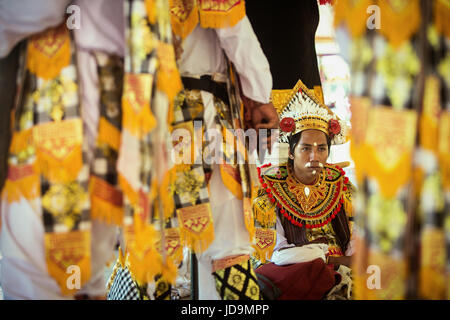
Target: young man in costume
305 204
220 56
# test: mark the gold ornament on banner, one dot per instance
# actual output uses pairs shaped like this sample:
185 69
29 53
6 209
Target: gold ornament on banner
353 14
400 20
390 142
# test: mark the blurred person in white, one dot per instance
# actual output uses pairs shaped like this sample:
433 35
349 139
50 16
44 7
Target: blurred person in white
25 273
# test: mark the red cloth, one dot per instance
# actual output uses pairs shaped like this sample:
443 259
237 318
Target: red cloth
301 281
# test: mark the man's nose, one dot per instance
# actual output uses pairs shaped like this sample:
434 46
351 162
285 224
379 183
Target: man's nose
313 156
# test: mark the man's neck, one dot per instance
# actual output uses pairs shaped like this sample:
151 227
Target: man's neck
305 178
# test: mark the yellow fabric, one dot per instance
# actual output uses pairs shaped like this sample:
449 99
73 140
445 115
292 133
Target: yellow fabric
265 240
264 210
58 245
196 226
400 20
432 284
59 149
391 179
105 211
108 134
27 186
49 52
444 148
353 14
137 117
231 183
184 17
145 261
442 17
390 164
186 14
169 80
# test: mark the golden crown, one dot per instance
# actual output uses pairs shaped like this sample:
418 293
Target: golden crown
301 110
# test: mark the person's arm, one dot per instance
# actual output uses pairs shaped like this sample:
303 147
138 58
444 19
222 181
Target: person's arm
20 19
243 49
281 241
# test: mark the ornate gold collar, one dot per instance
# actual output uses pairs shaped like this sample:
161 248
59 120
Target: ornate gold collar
311 206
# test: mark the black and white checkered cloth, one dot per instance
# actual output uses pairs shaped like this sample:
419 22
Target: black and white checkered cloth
123 287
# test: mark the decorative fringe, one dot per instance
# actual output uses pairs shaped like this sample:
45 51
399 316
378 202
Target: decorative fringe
392 179
429 119
196 227
442 17
58 147
353 15
145 261
198 243
221 19
108 134
265 242
264 211
105 211
120 263
174 250
229 181
21 140
169 271
59 170
49 52
128 191
393 276
444 149
150 7
106 201
168 77
166 193
432 276
183 26
348 207
249 218
28 187
60 249
399 26
138 122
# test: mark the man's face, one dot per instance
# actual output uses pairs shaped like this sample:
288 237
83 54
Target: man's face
310 155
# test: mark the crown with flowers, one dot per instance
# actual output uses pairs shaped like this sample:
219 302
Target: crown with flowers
304 111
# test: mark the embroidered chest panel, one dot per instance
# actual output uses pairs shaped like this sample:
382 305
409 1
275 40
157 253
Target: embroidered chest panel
311 206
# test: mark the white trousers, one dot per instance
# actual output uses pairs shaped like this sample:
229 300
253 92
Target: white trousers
230 234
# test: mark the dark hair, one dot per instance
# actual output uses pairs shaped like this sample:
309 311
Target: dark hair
293 141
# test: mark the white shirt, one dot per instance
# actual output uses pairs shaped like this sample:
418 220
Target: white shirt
203 55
